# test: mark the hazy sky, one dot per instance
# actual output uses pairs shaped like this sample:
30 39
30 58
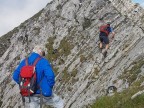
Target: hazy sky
141 2
14 12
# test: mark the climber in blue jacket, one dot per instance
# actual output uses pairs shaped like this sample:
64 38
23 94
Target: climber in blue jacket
45 77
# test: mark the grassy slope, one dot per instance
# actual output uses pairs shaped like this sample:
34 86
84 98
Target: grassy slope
123 99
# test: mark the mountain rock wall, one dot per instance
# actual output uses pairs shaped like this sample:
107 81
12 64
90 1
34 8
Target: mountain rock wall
70 33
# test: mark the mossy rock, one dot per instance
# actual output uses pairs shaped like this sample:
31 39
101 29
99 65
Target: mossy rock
87 23
5 41
1 103
63 50
131 75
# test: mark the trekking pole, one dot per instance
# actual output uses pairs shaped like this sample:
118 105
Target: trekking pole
41 98
29 93
23 101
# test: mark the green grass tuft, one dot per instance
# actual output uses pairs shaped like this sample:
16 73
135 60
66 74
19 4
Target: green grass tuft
63 50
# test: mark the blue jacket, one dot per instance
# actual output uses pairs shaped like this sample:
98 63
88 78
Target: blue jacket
44 72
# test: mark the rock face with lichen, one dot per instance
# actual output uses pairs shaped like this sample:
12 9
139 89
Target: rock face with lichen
70 33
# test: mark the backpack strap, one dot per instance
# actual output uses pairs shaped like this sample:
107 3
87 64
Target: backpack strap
26 61
35 62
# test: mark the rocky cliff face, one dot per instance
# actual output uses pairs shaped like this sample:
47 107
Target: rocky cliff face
70 33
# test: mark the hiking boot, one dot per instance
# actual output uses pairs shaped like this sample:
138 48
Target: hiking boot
100 50
105 54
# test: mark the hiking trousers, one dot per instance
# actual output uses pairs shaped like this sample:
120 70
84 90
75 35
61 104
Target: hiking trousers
54 101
